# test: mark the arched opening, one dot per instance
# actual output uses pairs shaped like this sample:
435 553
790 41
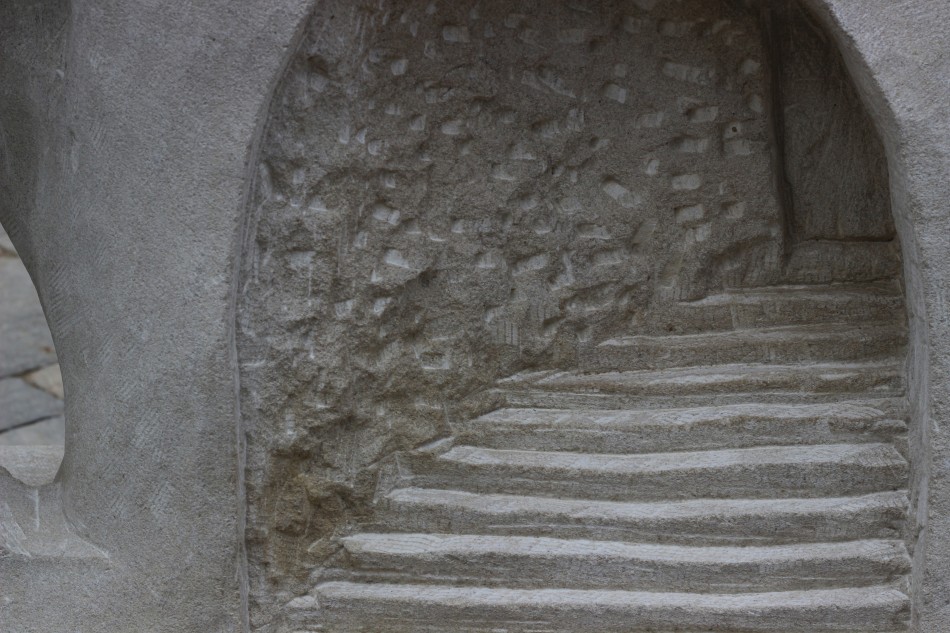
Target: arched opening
32 423
515 271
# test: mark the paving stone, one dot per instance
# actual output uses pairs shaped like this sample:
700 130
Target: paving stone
6 246
49 379
51 431
25 340
21 404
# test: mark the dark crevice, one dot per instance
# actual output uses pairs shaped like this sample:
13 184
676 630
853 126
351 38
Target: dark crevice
20 425
772 15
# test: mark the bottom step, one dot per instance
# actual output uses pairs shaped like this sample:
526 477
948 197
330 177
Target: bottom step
392 608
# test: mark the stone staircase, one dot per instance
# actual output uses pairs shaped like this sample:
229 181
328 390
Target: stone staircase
747 478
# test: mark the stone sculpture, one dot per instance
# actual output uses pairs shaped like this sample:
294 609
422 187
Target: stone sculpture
424 316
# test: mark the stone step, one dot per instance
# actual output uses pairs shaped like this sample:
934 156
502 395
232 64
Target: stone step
769 306
823 262
762 472
662 430
816 262
702 386
823 342
528 561
401 608
697 522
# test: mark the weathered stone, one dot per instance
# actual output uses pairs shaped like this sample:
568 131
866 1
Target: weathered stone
384 243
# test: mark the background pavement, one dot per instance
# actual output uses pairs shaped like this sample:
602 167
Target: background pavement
31 387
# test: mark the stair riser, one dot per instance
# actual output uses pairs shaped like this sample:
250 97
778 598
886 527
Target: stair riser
809 382
763 481
540 398
604 571
643 438
662 355
750 529
344 614
701 386
777 312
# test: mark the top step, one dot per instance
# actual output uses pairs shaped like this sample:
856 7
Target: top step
415 608
820 342
702 386
773 306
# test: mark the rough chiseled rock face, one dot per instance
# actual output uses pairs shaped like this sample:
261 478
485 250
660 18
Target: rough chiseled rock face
453 193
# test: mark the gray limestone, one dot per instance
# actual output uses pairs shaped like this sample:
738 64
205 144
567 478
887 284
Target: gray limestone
351 606
413 316
462 211
25 342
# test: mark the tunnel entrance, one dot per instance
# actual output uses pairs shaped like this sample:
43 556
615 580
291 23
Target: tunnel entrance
499 256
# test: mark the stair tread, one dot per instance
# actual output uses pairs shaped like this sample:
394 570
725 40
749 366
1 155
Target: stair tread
411 592
878 290
790 334
769 306
770 471
796 379
871 455
685 428
687 416
876 608
451 545
708 373
501 504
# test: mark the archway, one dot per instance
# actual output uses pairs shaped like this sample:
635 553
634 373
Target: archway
467 211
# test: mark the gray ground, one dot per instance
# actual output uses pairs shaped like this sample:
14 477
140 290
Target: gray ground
31 387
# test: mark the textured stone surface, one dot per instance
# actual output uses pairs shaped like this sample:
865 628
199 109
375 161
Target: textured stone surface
130 139
464 208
